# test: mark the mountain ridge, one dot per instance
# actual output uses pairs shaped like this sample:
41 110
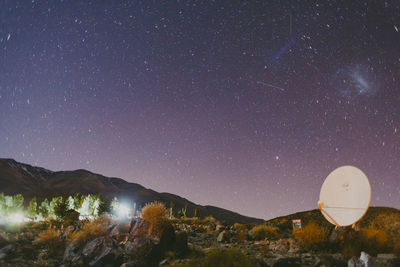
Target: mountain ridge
31 181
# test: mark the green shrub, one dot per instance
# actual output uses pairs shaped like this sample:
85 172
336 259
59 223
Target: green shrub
263 231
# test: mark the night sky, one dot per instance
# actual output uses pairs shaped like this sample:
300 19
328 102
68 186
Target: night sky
246 105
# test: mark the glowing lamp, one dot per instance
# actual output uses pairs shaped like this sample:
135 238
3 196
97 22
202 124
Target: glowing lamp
16 218
123 211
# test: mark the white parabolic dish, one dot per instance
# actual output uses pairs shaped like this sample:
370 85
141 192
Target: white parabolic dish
345 196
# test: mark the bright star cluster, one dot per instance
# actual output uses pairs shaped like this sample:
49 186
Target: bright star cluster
246 105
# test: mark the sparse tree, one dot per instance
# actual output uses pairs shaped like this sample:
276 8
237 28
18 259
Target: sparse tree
44 208
32 208
61 207
105 206
78 199
2 204
53 203
71 203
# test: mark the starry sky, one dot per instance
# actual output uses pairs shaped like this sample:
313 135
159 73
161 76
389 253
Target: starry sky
246 105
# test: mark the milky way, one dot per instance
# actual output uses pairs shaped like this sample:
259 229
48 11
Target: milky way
247 105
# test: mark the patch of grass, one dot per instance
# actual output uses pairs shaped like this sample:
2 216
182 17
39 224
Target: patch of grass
262 231
219 258
50 239
370 240
90 231
312 236
241 231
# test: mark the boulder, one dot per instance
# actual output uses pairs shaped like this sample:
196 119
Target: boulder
163 263
92 247
6 250
387 260
120 229
139 247
386 256
366 259
181 243
355 262
280 245
294 246
167 238
224 236
102 252
108 257
3 242
219 227
139 227
72 254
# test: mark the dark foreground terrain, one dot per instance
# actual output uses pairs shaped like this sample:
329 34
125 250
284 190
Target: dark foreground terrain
203 242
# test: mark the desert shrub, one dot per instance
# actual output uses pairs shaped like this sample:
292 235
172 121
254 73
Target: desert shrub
210 218
312 236
239 227
370 240
229 257
156 215
241 231
49 239
262 231
284 225
220 258
90 231
377 240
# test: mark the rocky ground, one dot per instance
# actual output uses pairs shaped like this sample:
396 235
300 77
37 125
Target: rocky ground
176 245
281 252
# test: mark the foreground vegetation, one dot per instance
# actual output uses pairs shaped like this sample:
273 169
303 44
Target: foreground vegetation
82 230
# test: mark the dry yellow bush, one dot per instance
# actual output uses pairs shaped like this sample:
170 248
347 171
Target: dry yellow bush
241 231
311 236
49 238
90 231
377 240
375 235
156 215
263 231
239 227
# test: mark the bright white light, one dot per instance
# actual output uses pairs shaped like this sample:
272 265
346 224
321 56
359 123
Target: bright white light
16 218
123 211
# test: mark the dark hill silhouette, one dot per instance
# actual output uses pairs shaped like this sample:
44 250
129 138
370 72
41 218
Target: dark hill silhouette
20 178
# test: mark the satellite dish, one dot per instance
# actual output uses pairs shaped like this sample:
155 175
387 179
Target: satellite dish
345 196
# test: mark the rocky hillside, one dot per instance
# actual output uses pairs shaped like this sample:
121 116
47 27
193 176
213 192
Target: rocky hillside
19 178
